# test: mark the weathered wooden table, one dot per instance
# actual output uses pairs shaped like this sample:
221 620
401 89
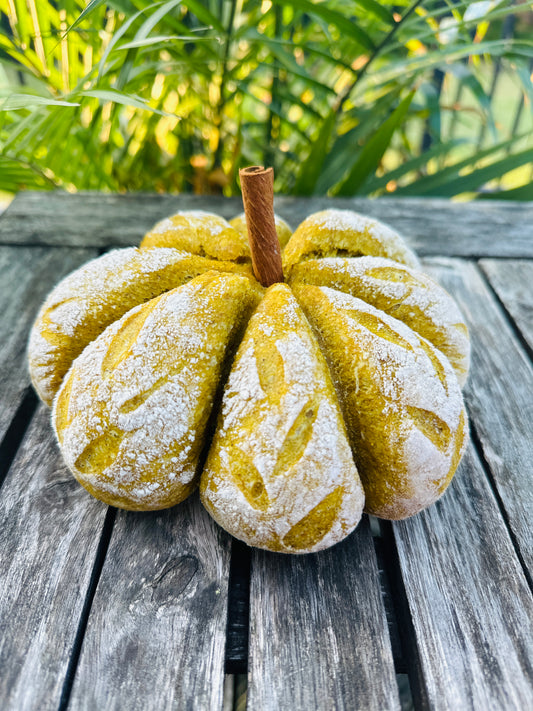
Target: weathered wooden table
103 609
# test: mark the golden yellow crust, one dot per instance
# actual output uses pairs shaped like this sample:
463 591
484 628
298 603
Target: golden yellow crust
83 304
399 291
283 230
201 233
132 412
149 335
344 233
401 401
280 474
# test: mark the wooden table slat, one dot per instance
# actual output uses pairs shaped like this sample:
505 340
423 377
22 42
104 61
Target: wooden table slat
501 373
433 226
318 631
49 533
512 280
155 637
28 274
470 604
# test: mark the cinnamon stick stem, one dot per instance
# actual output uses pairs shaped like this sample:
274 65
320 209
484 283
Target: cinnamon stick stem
257 186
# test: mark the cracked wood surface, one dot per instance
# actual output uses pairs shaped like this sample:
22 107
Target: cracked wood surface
451 587
431 226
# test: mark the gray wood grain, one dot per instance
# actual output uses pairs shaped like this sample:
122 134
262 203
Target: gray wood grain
471 607
49 533
156 633
318 632
512 280
28 274
499 395
319 638
432 226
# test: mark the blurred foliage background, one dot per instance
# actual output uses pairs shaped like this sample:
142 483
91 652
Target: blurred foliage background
342 97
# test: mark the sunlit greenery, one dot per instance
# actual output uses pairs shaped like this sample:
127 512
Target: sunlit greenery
342 97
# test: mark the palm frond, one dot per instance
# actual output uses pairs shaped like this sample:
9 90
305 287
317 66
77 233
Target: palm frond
343 98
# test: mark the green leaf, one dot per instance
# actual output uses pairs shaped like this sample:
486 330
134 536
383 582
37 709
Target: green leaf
289 63
16 175
309 48
394 70
149 41
474 85
203 14
90 7
414 164
245 91
440 182
373 150
27 101
311 168
377 9
156 16
118 34
477 178
343 23
253 78
347 146
125 99
524 192
524 74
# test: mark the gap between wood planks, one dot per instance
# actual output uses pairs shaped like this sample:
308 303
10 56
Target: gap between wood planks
478 446
98 564
238 613
476 439
401 632
507 315
16 431
394 598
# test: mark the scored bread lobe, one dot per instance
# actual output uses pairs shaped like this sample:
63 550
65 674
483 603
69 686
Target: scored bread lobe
280 474
401 401
399 291
131 415
83 304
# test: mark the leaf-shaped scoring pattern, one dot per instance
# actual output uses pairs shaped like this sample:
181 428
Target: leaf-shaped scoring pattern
400 291
344 233
199 232
401 400
132 413
97 294
279 473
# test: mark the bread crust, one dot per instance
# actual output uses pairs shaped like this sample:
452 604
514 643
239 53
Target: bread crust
336 233
343 376
401 401
132 413
94 296
399 291
279 474
201 233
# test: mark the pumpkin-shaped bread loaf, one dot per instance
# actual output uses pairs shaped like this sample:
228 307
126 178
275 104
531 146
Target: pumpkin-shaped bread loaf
295 407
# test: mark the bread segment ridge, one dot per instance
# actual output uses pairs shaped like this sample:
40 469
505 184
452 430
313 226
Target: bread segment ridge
344 233
280 474
401 401
89 299
400 291
131 417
